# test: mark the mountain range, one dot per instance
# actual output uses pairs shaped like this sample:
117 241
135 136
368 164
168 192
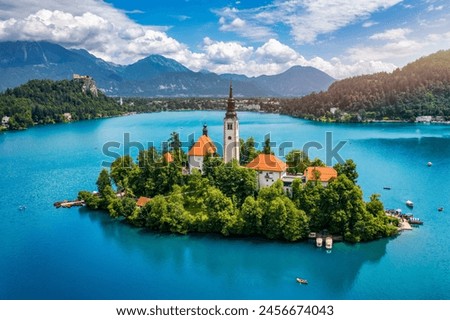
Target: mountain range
153 76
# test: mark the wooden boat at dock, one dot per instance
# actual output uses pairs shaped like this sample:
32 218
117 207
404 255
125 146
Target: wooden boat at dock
302 281
413 220
319 242
329 243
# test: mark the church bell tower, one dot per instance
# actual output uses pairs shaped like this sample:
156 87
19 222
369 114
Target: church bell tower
231 131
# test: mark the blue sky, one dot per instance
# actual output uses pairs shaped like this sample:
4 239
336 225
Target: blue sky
341 37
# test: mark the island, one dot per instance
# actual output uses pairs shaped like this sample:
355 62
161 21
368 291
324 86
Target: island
244 193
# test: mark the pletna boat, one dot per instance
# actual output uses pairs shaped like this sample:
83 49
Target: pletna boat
302 281
413 220
319 241
329 243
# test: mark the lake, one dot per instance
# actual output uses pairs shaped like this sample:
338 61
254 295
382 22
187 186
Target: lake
49 253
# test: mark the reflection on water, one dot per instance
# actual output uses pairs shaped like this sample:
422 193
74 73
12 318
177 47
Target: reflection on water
239 264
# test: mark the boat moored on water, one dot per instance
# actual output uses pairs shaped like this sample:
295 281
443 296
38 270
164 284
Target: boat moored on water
329 243
409 203
302 281
413 220
319 242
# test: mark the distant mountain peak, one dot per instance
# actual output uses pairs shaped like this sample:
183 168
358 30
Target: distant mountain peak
24 60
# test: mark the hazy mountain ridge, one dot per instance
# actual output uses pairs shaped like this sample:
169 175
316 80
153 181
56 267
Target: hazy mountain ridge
152 76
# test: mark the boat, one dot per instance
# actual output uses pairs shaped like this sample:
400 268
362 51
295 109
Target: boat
312 235
409 203
440 209
387 188
413 220
302 281
319 241
429 164
329 243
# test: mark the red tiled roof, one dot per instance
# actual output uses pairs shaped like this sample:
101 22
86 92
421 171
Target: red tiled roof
202 147
267 162
142 201
326 173
168 157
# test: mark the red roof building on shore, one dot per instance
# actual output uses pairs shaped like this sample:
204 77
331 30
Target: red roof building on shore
269 167
142 201
267 162
322 174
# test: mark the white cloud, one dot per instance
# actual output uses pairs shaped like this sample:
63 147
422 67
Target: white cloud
270 58
387 52
434 8
230 21
307 19
90 24
369 24
392 34
219 52
275 51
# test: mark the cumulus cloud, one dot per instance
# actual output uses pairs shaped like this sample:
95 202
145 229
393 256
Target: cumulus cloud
270 58
89 24
275 51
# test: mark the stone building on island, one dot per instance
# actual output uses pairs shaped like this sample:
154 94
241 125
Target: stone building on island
268 166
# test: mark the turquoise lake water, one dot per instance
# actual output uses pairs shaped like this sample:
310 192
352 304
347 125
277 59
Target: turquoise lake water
48 253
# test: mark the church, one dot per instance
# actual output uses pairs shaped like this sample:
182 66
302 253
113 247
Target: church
204 145
268 166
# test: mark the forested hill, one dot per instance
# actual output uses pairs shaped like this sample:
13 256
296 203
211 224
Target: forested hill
421 88
46 101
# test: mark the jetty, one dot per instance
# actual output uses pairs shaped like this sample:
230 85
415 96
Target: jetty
404 225
69 204
406 220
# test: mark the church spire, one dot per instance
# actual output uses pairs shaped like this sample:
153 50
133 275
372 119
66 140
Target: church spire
231 131
231 107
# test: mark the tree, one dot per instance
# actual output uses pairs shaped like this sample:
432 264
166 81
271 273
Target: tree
348 168
248 151
103 181
267 149
297 161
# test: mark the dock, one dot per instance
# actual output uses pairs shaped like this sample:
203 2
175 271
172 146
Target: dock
404 225
69 204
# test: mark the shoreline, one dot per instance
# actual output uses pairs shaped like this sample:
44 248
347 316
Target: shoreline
4 129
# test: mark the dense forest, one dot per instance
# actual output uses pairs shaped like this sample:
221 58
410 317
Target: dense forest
46 101
421 88
225 199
